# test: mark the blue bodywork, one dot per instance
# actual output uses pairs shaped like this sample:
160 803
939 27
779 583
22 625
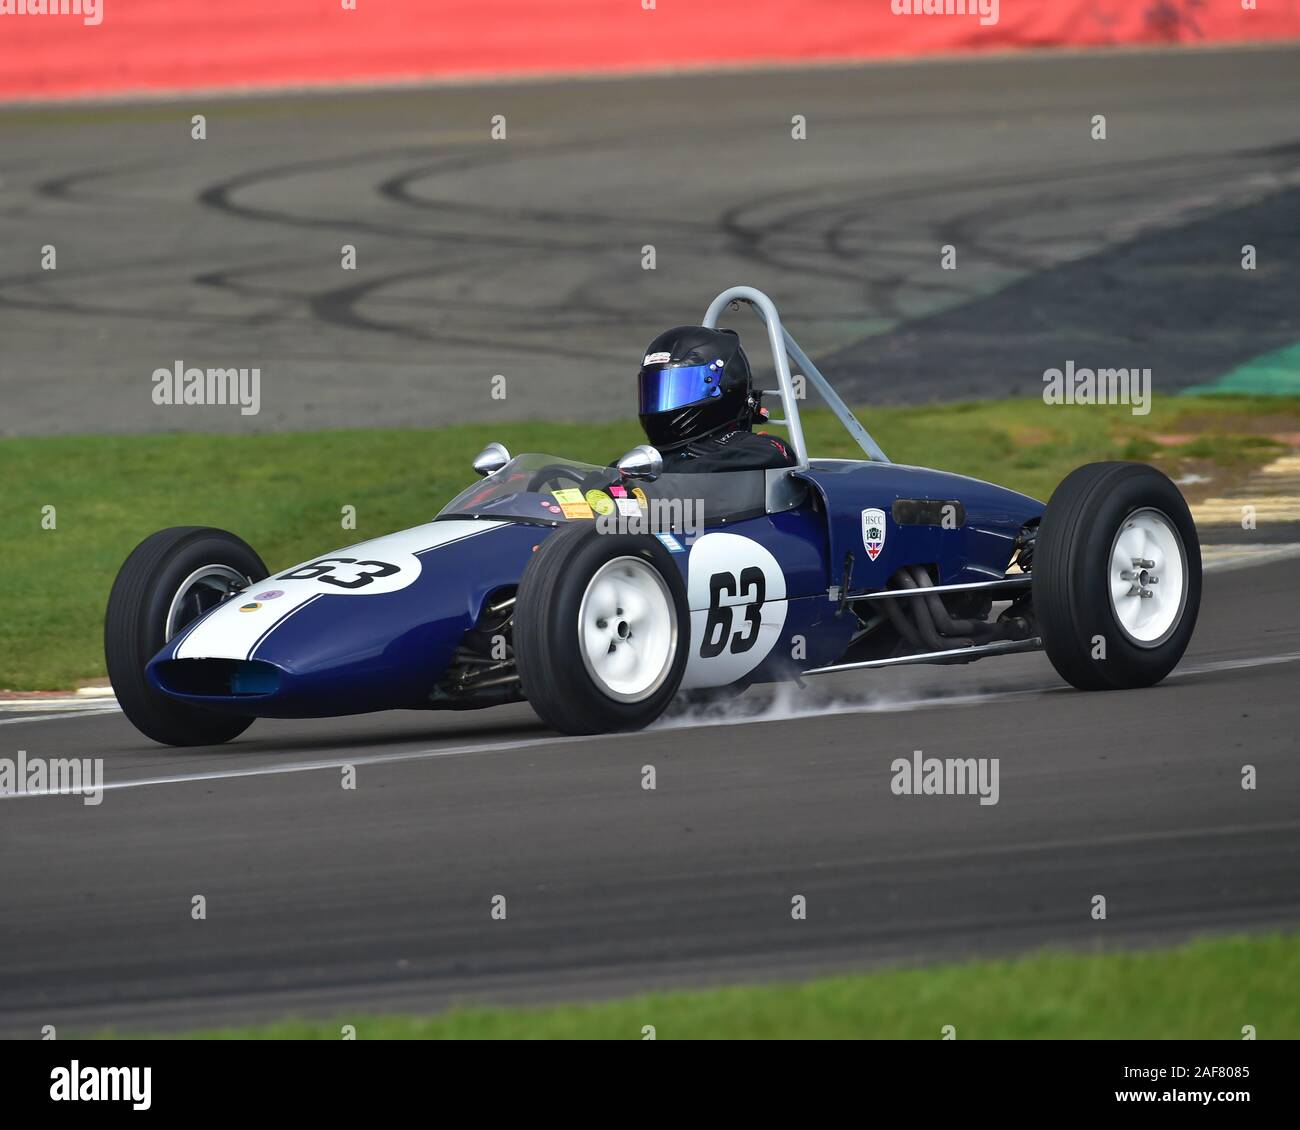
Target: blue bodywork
349 651
350 655
977 549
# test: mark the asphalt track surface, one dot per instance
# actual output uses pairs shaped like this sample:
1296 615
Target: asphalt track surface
522 257
326 901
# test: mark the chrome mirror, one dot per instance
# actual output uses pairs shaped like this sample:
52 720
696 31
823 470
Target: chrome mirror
491 459
642 462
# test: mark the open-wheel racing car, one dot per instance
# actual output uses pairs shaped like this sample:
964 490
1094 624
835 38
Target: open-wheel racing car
597 594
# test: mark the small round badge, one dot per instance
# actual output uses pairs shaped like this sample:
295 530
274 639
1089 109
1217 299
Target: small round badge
600 502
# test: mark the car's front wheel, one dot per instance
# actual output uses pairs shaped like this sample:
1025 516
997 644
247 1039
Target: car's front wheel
1116 576
171 579
601 630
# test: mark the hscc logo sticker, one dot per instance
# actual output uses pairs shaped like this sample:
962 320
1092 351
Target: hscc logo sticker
873 532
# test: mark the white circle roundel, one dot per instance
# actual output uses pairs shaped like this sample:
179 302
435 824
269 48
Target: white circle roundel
736 593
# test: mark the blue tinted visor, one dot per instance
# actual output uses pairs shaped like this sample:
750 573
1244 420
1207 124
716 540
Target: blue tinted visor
662 390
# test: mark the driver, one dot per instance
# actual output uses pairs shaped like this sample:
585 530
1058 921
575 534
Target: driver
698 404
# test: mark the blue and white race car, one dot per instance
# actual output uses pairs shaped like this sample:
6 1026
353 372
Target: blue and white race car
598 594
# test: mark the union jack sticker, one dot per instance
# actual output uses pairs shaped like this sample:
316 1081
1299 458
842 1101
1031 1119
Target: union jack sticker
873 532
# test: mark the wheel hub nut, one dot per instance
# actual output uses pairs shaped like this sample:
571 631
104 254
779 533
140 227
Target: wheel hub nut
1142 578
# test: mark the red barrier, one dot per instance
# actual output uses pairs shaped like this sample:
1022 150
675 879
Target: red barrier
161 45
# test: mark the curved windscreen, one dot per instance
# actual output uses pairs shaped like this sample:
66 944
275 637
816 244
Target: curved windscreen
527 487
548 488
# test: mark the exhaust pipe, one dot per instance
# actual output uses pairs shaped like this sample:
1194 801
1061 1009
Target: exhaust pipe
925 624
946 625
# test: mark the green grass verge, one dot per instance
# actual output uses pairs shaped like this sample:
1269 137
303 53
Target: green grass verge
1203 990
284 493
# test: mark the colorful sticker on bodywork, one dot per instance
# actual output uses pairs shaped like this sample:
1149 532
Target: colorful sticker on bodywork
600 502
873 532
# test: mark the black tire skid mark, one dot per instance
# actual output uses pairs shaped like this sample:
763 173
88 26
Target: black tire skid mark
968 230
797 252
338 306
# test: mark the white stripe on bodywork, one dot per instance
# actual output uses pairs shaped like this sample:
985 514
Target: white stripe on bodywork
252 651
229 633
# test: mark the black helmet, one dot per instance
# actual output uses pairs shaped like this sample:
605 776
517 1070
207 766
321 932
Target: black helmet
694 381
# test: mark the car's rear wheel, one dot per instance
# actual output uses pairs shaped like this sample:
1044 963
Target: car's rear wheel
601 630
171 579
1117 576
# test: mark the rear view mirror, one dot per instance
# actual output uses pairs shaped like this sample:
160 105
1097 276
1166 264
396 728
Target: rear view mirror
642 462
491 459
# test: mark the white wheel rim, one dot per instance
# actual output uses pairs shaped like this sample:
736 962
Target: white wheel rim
221 578
1148 577
627 629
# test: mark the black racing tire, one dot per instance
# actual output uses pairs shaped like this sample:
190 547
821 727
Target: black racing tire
135 628
1083 610
557 675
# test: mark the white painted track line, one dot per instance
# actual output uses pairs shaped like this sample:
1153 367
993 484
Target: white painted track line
36 716
765 716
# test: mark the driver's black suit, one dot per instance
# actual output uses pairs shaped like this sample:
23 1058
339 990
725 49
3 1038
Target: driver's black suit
735 450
